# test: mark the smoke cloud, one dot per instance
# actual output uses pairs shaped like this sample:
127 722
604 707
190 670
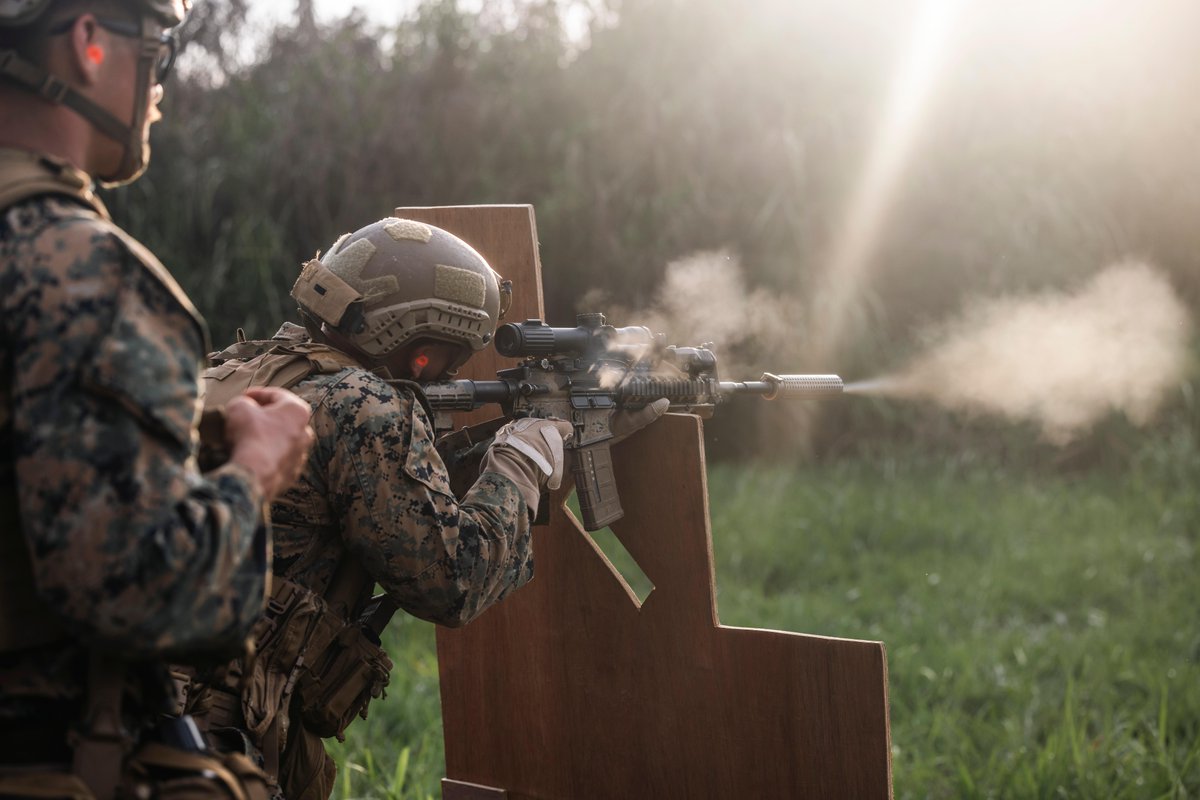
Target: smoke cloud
1062 360
704 298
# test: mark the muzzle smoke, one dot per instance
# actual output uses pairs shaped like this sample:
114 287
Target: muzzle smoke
704 299
1061 360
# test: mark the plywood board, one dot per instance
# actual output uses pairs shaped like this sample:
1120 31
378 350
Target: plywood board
572 689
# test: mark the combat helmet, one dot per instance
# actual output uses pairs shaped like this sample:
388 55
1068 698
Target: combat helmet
399 280
16 15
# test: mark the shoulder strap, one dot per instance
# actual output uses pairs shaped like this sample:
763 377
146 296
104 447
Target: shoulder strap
152 265
24 175
284 365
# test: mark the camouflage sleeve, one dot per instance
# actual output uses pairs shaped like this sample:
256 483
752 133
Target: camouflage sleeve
129 542
440 559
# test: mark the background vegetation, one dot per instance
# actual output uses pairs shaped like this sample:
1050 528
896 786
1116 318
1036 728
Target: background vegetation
1055 142
1040 628
1037 602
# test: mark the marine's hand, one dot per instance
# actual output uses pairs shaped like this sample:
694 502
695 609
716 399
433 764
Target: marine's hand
268 433
529 452
626 423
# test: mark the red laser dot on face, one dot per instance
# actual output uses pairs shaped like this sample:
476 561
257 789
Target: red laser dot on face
422 361
95 54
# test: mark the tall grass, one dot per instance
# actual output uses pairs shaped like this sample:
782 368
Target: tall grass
1040 627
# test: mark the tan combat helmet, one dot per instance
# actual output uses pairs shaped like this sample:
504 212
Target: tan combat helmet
18 13
399 280
29 19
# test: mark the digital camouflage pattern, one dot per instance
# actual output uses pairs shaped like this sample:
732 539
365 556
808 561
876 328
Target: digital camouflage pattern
130 545
376 488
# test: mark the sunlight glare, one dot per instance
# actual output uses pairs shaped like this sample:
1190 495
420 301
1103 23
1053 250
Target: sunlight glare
852 252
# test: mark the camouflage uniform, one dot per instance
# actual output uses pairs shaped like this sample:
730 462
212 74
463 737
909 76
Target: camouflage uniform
376 488
129 545
376 491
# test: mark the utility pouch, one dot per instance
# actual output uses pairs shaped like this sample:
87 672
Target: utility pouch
167 773
340 686
296 628
154 769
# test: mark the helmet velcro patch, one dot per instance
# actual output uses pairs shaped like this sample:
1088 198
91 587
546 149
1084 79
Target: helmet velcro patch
407 229
459 286
349 261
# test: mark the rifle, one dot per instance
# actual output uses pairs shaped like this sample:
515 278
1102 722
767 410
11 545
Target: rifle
586 374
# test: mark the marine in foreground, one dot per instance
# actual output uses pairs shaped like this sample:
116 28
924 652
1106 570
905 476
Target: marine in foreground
116 553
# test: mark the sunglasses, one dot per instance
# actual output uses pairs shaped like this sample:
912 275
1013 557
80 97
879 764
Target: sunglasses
168 41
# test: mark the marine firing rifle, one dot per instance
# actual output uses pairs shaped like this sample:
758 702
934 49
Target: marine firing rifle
586 374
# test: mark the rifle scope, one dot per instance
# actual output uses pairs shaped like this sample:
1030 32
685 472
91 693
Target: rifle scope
535 338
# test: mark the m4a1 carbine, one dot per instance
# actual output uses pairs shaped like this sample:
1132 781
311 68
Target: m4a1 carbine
588 373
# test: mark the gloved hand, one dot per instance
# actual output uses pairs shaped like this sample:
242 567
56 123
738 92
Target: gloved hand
626 423
529 452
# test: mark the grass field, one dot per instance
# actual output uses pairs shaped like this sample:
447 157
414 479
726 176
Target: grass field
1041 628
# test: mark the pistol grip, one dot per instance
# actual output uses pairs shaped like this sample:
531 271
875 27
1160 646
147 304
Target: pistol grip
596 486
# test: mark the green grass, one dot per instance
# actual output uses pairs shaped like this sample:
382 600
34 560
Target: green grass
1041 628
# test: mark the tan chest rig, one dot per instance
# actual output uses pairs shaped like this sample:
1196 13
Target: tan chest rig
317 658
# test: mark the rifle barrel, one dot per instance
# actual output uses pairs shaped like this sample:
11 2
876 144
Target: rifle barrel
772 386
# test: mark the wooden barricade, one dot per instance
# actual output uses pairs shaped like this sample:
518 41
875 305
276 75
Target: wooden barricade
571 688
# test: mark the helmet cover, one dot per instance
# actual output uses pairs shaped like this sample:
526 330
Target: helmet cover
411 281
168 13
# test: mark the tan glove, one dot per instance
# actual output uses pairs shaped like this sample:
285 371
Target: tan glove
529 452
626 423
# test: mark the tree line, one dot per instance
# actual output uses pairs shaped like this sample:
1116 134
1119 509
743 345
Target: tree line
1054 144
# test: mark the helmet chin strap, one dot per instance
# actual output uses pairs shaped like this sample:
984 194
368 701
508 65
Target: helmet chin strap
135 154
